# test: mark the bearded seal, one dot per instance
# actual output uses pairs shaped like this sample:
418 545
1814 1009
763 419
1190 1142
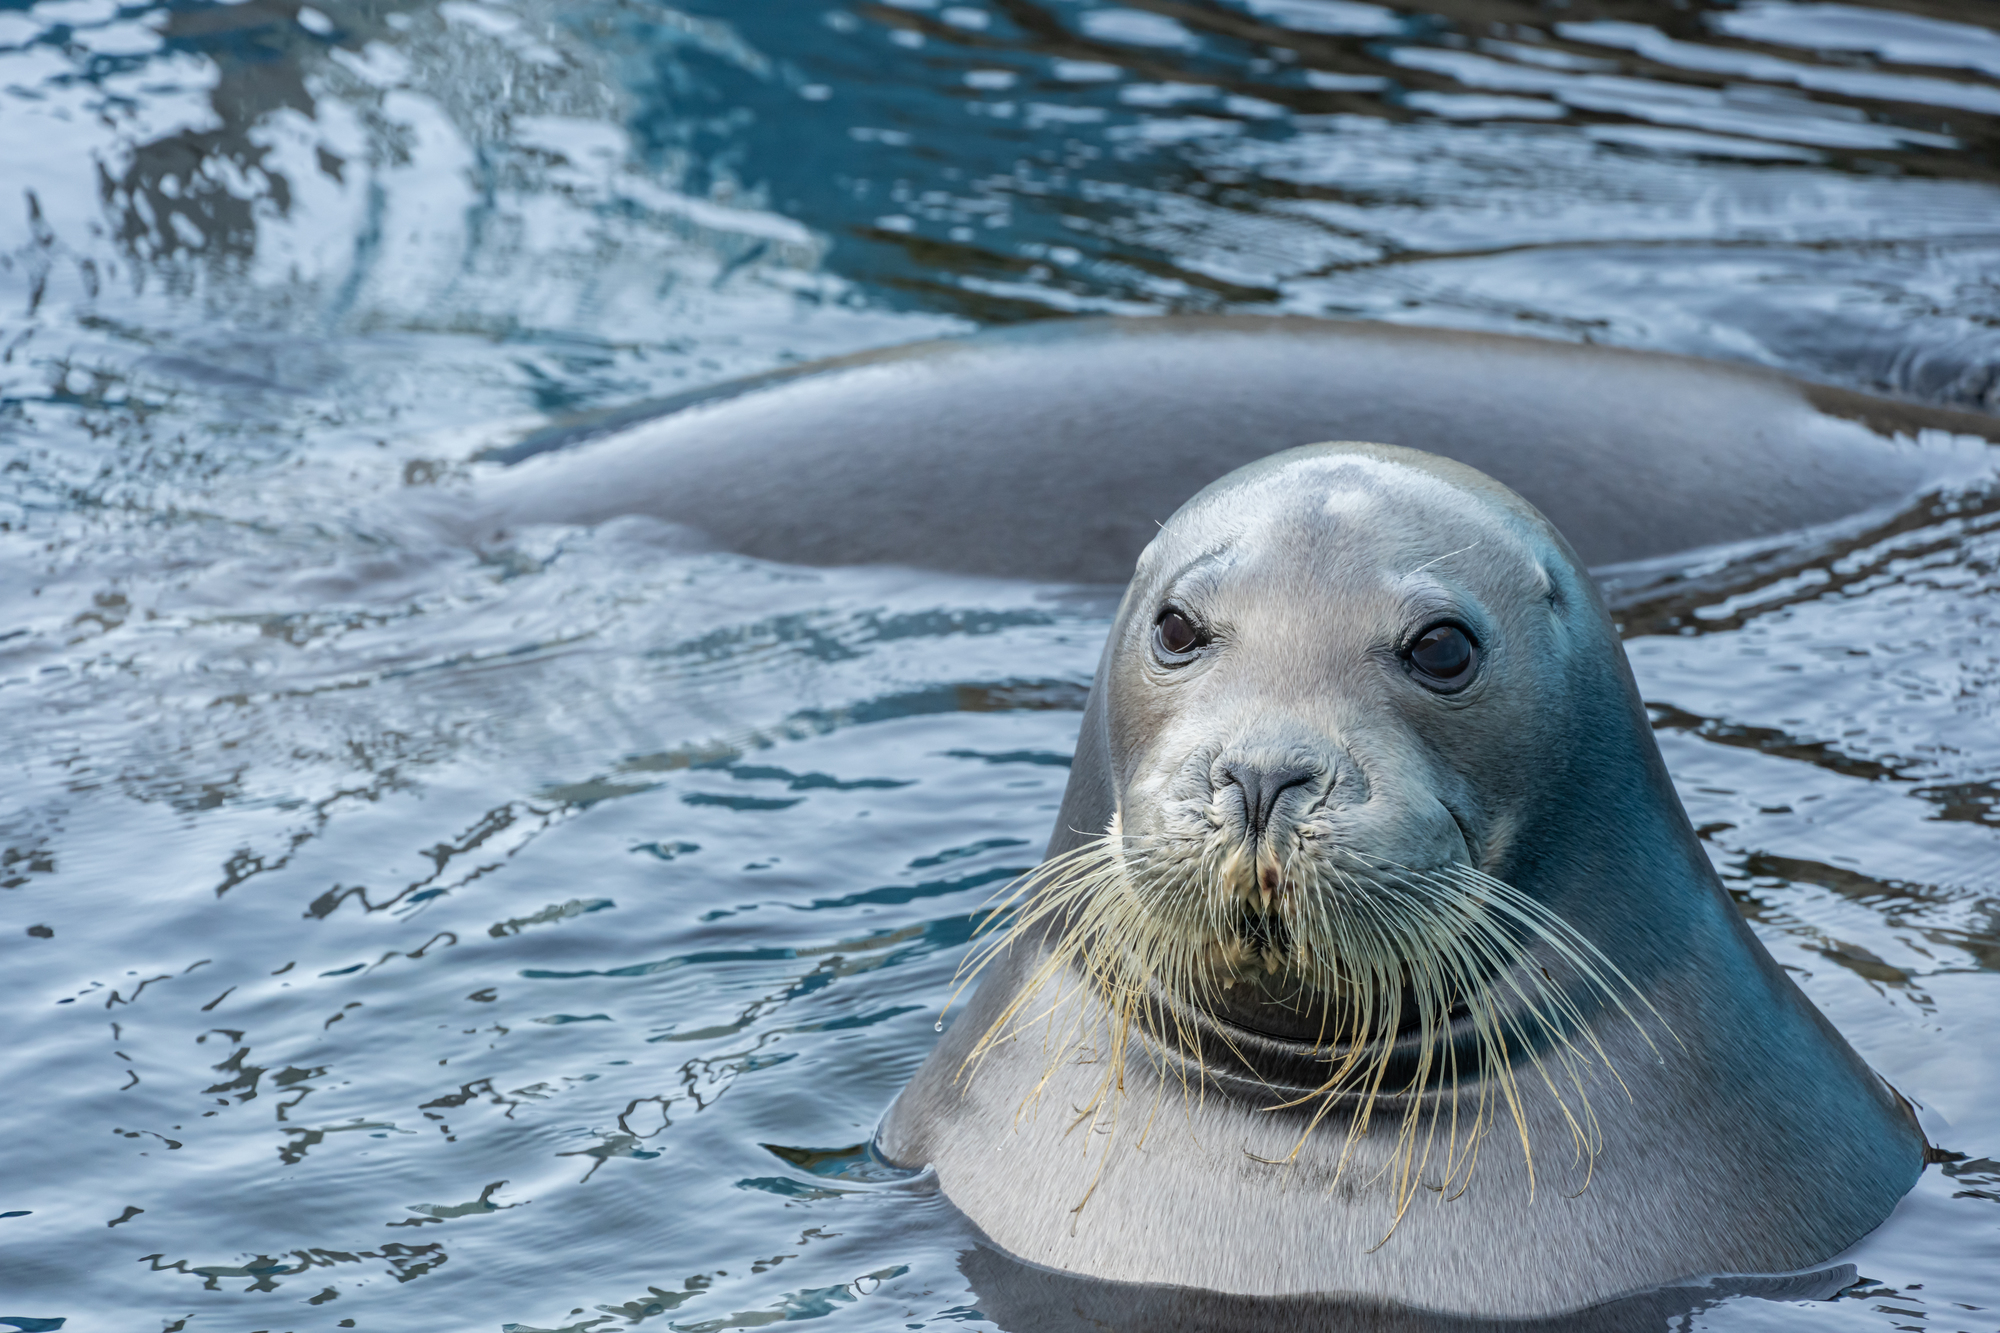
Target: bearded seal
1374 954
1050 451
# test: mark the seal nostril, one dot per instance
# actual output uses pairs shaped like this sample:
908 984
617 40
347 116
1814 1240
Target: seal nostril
1262 786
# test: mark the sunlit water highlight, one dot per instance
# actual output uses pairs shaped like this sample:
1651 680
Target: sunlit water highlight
428 938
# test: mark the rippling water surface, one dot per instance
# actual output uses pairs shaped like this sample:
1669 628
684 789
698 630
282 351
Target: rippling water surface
402 937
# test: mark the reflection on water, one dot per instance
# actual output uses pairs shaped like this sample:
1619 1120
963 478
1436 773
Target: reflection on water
555 906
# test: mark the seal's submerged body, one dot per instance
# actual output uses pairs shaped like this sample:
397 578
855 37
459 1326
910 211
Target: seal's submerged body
1494 1040
1050 451
1375 955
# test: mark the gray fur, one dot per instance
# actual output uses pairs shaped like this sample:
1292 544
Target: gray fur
1753 1138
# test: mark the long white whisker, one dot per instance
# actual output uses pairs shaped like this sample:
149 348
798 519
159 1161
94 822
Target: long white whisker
1435 972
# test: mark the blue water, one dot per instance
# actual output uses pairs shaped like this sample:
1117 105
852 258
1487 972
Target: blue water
405 937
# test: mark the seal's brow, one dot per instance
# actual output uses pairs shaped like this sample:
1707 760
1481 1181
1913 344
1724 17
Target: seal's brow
1201 571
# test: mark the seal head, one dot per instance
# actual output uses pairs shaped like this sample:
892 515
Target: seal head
1322 714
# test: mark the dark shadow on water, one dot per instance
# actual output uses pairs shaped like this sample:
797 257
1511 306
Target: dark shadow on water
1026 1298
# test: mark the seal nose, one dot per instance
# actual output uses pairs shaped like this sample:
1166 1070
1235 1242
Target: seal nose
1262 784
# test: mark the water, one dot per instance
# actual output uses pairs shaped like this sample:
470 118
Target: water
402 937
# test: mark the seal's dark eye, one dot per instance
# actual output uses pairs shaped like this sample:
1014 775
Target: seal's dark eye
1176 635
1443 656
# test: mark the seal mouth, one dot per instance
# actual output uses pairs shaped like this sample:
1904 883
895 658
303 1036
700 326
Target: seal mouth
1258 1041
